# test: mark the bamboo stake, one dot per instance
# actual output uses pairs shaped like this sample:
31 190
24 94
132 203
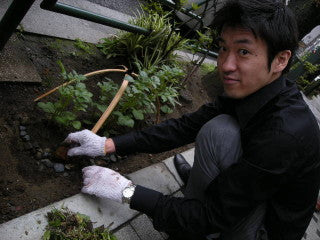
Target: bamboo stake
86 75
111 106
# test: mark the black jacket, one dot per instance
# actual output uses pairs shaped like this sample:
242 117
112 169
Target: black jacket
280 165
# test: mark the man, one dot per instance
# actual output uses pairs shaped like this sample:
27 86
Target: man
256 173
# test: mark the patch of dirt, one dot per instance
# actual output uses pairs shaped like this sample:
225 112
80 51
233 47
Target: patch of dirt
26 182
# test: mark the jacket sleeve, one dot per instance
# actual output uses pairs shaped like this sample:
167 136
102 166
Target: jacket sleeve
166 135
266 167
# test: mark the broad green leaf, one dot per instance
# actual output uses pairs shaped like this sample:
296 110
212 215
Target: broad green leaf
47 107
129 78
138 114
166 109
126 121
76 124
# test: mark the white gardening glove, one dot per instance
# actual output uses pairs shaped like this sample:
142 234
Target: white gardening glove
104 183
91 144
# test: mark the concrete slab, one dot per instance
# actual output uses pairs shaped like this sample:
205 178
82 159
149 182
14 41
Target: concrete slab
186 56
144 228
15 66
102 212
189 156
49 23
125 233
156 177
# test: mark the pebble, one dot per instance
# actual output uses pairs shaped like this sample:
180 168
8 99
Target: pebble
46 155
58 167
185 96
65 174
47 162
28 146
113 158
38 155
26 138
41 168
23 133
36 145
69 166
22 128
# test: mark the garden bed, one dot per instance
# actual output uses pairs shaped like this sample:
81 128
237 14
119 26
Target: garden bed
27 180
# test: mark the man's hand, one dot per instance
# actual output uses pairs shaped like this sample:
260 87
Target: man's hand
90 144
104 183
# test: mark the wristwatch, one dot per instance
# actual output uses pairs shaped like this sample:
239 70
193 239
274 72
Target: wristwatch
127 193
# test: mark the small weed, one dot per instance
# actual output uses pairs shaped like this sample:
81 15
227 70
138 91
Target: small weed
64 225
207 68
83 46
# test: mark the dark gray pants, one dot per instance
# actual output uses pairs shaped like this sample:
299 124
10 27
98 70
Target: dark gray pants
218 146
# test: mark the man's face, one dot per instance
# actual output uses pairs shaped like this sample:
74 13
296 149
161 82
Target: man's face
243 62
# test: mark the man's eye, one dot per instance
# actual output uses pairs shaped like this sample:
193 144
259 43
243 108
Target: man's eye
243 51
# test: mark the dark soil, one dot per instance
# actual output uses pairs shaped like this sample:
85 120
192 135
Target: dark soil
26 183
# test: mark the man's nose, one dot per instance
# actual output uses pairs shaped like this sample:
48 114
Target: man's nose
229 63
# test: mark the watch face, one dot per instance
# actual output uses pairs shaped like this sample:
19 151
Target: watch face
128 192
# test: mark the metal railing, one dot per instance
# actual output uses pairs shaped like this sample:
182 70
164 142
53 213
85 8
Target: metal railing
18 9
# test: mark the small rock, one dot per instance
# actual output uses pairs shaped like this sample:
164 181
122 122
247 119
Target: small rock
47 150
47 162
46 155
185 96
38 155
36 145
113 158
28 146
41 168
23 133
65 174
26 138
58 167
22 128
69 166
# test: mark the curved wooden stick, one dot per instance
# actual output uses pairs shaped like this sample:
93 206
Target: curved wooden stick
86 75
111 106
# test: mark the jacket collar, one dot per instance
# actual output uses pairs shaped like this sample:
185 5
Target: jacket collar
246 108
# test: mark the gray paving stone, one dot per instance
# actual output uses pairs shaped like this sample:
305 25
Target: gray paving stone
144 228
156 177
31 226
49 23
189 156
126 233
313 231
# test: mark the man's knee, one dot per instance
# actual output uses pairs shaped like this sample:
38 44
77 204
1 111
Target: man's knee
219 140
222 126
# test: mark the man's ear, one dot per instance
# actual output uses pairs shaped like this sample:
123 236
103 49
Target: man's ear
281 61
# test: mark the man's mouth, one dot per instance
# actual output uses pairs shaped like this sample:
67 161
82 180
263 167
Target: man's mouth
228 80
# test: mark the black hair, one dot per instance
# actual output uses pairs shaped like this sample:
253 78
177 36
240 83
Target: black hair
269 20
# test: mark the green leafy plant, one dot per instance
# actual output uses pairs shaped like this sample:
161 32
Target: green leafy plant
66 225
306 81
154 49
155 90
72 100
